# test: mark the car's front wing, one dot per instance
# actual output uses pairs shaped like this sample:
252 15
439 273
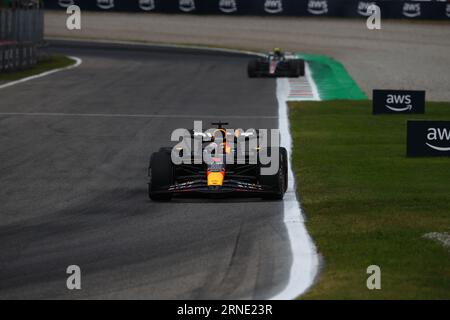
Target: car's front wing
231 187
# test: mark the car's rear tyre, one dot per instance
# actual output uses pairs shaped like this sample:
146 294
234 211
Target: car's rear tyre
161 176
278 182
297 68
251 68
301 68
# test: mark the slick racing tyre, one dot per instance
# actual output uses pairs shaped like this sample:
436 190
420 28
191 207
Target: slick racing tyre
277 182
301 68
162 176
297 68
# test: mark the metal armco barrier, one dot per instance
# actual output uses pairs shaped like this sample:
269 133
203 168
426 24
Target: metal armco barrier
438 10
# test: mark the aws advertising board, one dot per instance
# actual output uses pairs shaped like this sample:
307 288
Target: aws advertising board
398 101
428 138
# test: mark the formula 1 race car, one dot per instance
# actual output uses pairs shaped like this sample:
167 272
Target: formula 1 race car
276 64
220 176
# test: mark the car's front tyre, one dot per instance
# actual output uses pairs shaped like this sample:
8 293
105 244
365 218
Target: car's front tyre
161 176
277 182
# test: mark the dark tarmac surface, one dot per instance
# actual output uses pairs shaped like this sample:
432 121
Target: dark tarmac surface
73 172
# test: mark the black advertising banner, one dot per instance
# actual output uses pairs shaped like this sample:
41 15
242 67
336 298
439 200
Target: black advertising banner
417 10
272 7
359 8
322 8
336 8
162 6
226 7
428 138
398 101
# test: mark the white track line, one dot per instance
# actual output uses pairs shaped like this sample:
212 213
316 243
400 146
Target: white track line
78 61
305 260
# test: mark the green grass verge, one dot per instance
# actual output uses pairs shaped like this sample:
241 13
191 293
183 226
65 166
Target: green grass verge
367 203
53 62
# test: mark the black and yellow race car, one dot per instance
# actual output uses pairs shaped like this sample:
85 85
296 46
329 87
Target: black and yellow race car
276 64
219 176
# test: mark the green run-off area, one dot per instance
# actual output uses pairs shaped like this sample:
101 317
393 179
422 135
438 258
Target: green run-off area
332 79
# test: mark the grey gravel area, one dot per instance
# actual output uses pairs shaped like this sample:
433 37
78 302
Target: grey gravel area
403 55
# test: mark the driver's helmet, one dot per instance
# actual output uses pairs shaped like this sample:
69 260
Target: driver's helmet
219 135
277 52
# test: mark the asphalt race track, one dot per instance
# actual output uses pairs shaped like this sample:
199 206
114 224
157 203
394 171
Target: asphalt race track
73 172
